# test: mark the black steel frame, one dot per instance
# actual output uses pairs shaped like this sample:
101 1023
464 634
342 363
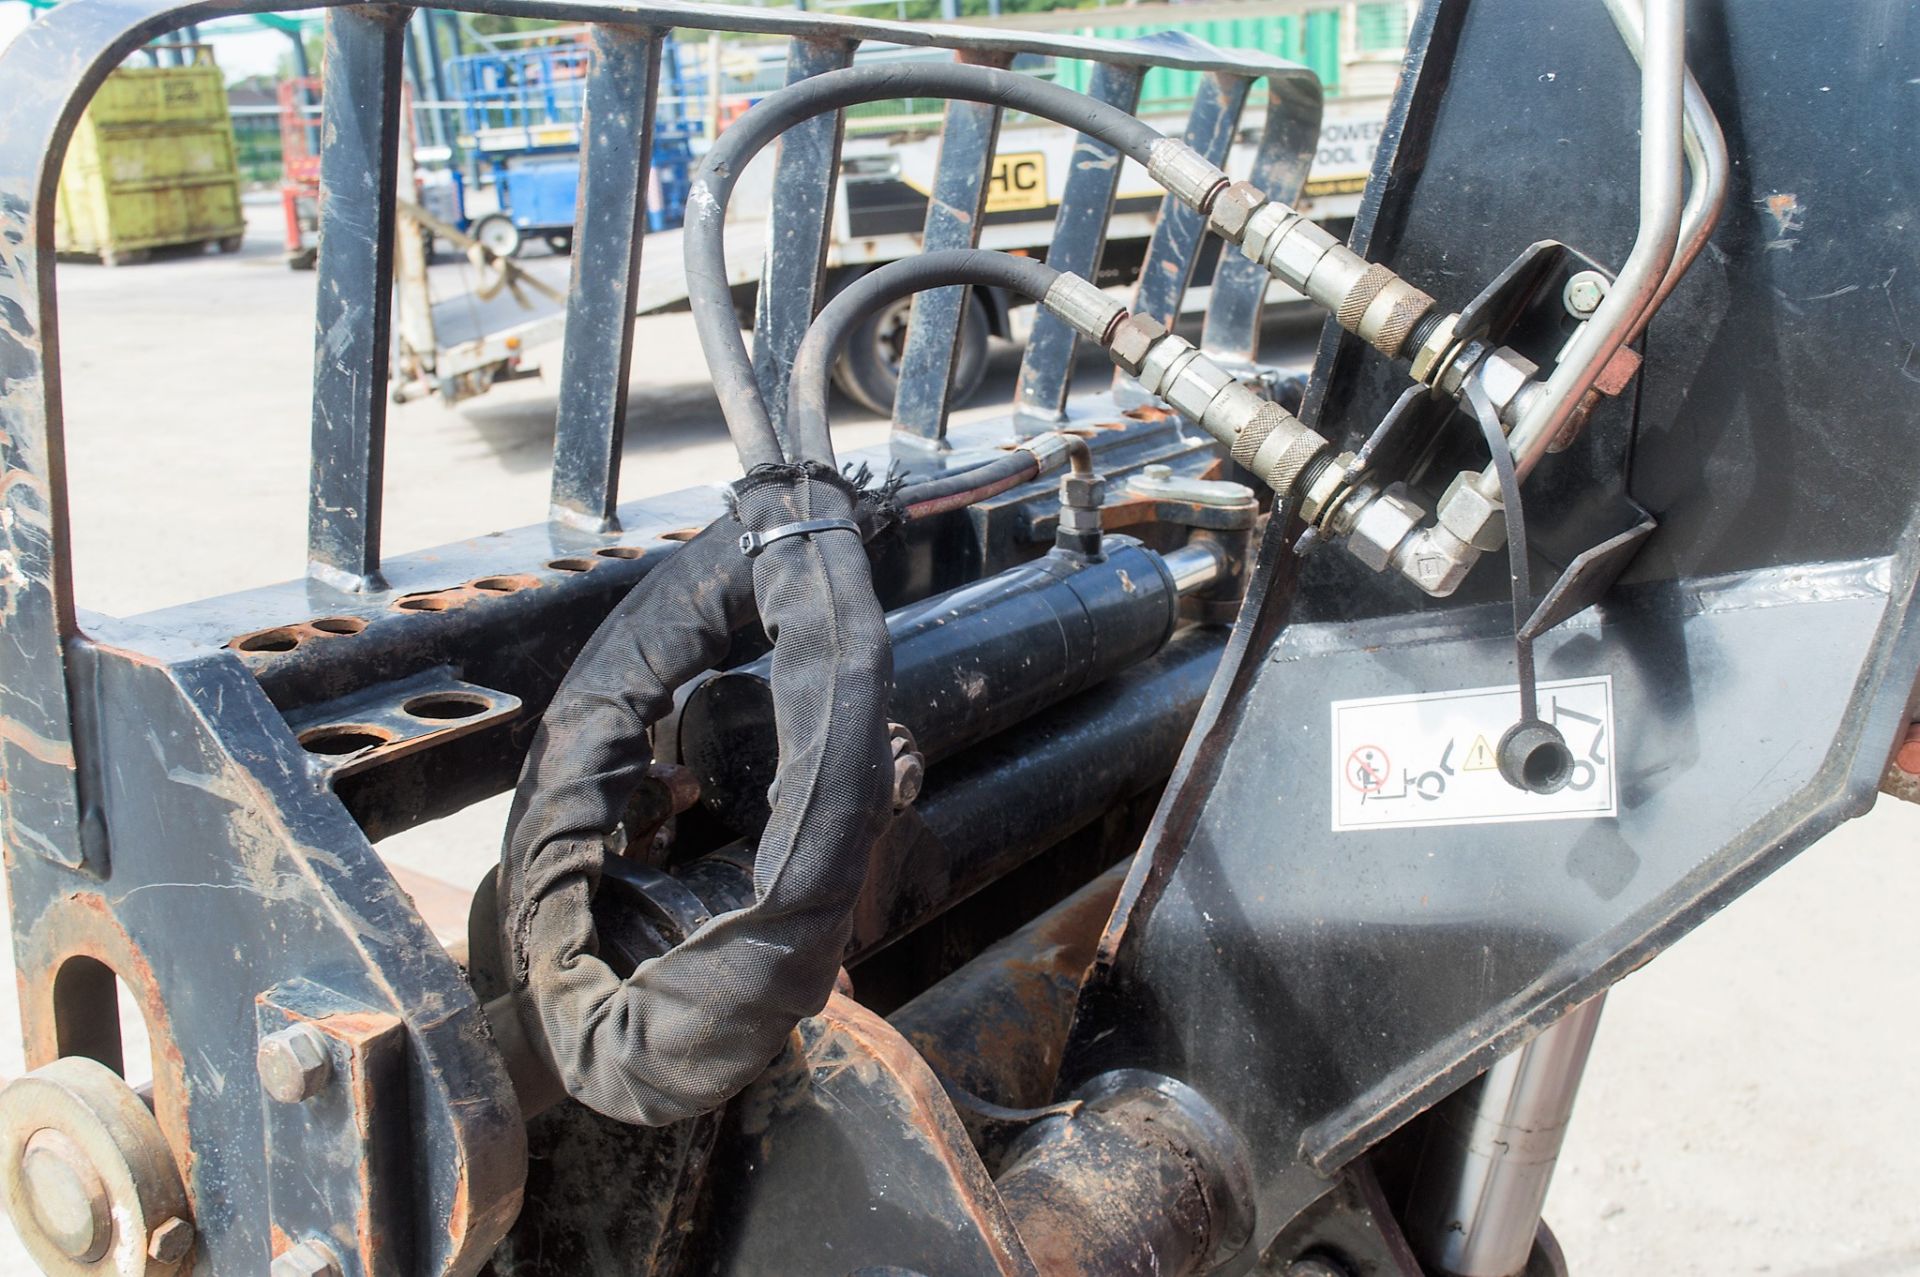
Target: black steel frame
163 821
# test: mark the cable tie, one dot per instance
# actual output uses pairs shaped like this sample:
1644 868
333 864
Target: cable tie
751 543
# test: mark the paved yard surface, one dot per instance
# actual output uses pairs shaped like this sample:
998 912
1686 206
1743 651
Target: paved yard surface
1751 1106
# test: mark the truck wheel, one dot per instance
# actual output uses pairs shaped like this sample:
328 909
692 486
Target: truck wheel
497 234
869 369
560 242
228 243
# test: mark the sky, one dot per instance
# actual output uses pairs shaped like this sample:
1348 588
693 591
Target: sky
239 52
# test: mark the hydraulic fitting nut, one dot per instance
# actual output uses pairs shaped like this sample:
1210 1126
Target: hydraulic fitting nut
1132 340
1470 514
1049 451
1083 307
1504 374
1277 447
1427 360
1234 208
1380 526
1188 176
1390 312
1082 491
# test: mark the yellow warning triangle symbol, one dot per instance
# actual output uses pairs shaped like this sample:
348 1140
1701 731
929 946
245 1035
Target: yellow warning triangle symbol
1480 757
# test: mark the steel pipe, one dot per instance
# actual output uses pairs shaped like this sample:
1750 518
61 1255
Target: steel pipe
1662 94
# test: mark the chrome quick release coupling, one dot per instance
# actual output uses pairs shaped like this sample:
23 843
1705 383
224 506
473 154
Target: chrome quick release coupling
1261 435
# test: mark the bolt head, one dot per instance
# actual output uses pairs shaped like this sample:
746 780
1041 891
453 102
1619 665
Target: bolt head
1380 526
1584 293
294 1064
308 1259
171 1242
909 774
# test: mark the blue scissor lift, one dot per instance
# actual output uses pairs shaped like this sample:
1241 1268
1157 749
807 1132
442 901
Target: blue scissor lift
520 117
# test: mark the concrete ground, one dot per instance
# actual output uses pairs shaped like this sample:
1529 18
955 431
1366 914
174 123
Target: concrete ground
1750 1107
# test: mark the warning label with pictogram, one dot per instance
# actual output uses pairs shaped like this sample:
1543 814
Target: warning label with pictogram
1409 761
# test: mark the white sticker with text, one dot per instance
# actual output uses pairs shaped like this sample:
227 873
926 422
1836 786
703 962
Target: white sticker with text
1409 761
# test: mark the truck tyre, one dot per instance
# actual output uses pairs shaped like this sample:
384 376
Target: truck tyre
868 370
497 234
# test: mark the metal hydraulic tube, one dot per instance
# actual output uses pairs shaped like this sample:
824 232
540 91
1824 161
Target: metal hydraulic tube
1662 97
1490 1153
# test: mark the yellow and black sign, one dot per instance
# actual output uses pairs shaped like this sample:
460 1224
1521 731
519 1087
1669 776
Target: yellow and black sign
1018 181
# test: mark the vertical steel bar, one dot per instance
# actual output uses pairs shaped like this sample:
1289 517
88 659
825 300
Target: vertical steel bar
360 112
611 224
1287 146
955 210
1177 235
806 174
1079 235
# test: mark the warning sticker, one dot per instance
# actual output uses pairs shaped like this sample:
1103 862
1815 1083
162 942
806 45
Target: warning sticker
1409 761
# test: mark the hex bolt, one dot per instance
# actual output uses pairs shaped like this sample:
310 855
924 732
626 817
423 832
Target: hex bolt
66 1196
1584 293
171 1242
307 1259
909 766
294 1063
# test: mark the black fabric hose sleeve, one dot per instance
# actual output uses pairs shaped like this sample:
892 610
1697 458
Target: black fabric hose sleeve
689 1029
706 256
811 379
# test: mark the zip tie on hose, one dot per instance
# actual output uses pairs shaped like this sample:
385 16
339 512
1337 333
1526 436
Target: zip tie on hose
751 543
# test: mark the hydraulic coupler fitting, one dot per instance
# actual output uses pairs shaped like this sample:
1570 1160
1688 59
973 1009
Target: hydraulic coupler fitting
1262 436
1367 299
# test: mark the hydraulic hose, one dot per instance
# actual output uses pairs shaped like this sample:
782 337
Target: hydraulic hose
685 1031
809 382
706 256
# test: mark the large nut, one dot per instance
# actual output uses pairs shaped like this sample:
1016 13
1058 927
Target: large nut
1132 340
307 1259
1470 514
1381 525
294 1063
1234 207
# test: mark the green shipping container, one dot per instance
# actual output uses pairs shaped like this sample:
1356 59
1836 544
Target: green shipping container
152 165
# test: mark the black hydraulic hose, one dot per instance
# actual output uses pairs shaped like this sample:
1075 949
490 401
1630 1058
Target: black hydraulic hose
923 501
687 1030
809 382
708 292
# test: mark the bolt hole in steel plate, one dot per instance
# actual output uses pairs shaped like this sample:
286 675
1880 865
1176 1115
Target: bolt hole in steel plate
502 584
680 534
374 725
571 565
346 738
443 705
341 625
280 639
89 1181
620 552
438 601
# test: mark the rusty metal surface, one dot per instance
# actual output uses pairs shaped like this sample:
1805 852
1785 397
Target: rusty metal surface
997 1027
847 1153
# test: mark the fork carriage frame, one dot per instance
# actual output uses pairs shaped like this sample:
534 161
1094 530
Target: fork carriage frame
159 802
160 805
